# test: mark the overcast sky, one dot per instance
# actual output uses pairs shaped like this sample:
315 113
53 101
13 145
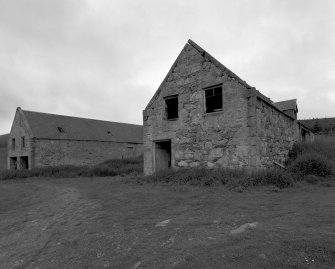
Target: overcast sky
105 59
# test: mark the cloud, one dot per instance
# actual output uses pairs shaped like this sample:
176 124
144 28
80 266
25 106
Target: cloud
105 59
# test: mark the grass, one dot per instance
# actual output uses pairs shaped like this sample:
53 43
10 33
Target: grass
104 223
308 161
107 168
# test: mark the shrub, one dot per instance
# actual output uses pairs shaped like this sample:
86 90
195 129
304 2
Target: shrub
276 177
312 164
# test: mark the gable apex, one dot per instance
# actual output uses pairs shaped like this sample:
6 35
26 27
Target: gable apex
209 58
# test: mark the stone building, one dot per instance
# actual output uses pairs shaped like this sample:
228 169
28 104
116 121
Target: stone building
40 139
203 115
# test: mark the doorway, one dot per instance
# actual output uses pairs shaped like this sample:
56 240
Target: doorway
162 155
13 163
24 162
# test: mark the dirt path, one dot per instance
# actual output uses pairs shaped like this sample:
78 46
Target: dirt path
34 237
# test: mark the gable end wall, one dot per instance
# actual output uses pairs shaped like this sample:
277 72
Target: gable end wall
199 139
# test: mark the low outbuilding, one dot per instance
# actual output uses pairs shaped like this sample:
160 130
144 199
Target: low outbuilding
40 139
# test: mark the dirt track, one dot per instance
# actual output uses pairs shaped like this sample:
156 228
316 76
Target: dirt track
104 223
35 238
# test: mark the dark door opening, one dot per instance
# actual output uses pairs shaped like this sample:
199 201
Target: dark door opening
163 155
13 163
24 162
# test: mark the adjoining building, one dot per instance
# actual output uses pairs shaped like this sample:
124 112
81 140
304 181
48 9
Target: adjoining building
40 139
203 115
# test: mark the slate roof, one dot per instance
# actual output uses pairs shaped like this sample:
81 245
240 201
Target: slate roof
45 126
287 105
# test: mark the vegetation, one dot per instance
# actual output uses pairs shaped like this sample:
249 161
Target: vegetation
232 178
321 126
107 168
308 161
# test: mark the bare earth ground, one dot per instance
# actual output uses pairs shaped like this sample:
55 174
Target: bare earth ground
104 223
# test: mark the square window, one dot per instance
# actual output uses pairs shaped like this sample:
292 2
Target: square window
213 98
171 103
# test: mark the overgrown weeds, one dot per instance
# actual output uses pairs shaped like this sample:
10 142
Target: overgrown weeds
308 161
232 178
107 168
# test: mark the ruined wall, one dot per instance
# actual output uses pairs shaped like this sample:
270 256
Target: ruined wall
275 135
69 152
19 130
199 138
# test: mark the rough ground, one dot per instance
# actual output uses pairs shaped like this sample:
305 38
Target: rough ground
104 223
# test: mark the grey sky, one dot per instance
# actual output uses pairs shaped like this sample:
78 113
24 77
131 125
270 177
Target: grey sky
105 59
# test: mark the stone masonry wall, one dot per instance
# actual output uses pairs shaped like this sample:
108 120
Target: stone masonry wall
70 152
275 135
199 138
18 131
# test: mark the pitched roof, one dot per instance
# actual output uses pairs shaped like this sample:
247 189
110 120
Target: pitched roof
46 126
211 59
220 66
287 105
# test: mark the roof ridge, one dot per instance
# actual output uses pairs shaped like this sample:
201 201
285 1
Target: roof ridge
217 63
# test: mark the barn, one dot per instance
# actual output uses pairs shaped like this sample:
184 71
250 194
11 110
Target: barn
204 115
40 139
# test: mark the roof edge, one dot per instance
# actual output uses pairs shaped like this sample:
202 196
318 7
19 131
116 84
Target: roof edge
218 64
66 116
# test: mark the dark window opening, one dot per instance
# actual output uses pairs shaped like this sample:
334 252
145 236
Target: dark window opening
171 107
109 133
60 129
13 143
213 99
23 141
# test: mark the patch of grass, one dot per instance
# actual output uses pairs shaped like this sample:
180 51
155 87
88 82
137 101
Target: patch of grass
324 146
232 178
107 168
313 161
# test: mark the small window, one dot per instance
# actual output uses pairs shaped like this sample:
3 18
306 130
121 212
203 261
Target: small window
60 129
171 107
23 141
109 133
13 143
213 97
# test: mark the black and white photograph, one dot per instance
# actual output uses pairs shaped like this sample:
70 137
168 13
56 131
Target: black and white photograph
167 134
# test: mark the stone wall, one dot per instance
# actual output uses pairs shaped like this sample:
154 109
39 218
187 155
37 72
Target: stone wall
71 152
198 138
19 130
275 135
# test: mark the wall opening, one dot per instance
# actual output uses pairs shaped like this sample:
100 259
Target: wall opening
24 162
23 142
13 163
162 155
213 98
171 107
